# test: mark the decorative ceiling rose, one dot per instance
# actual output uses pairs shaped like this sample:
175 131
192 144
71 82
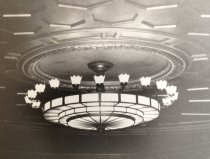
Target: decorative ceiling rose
86 46
31 65
101 109
100 67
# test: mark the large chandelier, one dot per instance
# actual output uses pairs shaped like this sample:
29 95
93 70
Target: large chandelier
102 109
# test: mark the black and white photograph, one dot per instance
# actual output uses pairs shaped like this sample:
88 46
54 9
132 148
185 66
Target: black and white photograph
104 79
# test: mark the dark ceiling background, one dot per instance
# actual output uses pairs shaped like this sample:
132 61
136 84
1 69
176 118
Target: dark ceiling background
24 134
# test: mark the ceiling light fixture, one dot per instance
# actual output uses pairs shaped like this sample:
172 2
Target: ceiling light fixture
199 55
162 7
23 33
102 109
15 15
197 89
164 26
198 34
200 59
196 114
199 100
2 87
60 26
205 15
72 7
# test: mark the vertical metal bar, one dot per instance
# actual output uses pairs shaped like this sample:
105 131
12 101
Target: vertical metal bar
63 100
99 95
137 99
80 98
150 102
50 103
119 98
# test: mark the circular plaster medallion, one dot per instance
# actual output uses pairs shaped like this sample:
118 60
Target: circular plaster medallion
128 55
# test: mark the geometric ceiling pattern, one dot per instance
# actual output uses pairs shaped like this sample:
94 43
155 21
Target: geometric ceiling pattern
179 28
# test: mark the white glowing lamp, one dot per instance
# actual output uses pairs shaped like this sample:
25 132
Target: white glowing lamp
145 81
171 90
36 104
32 94
123 78
40 88
54 83
166 101
27 100
76 80
99 79
161 84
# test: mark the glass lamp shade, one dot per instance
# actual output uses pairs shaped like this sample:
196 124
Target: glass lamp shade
171 90
36 104
76 80
54 83
96 111
99 79
27 100
123 78
145 81
32 94
167 101
174 97
161 85
40 88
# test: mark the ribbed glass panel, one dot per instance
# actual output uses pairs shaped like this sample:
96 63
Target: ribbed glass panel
131 111
143 100
47 106
77 105
56 102
107 109
93 109
109 97
154 103
92 104
120 109
80 110
69 111
108 103
90 97
72 99
128 98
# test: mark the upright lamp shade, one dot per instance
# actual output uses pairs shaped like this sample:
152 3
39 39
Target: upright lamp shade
145 81
171 90
167 101
32 93
40 88
27 100
161 85
99 79
36 104
54 83
123 78
76 80
174 97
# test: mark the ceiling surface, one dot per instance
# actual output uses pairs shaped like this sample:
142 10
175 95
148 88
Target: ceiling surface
43 39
